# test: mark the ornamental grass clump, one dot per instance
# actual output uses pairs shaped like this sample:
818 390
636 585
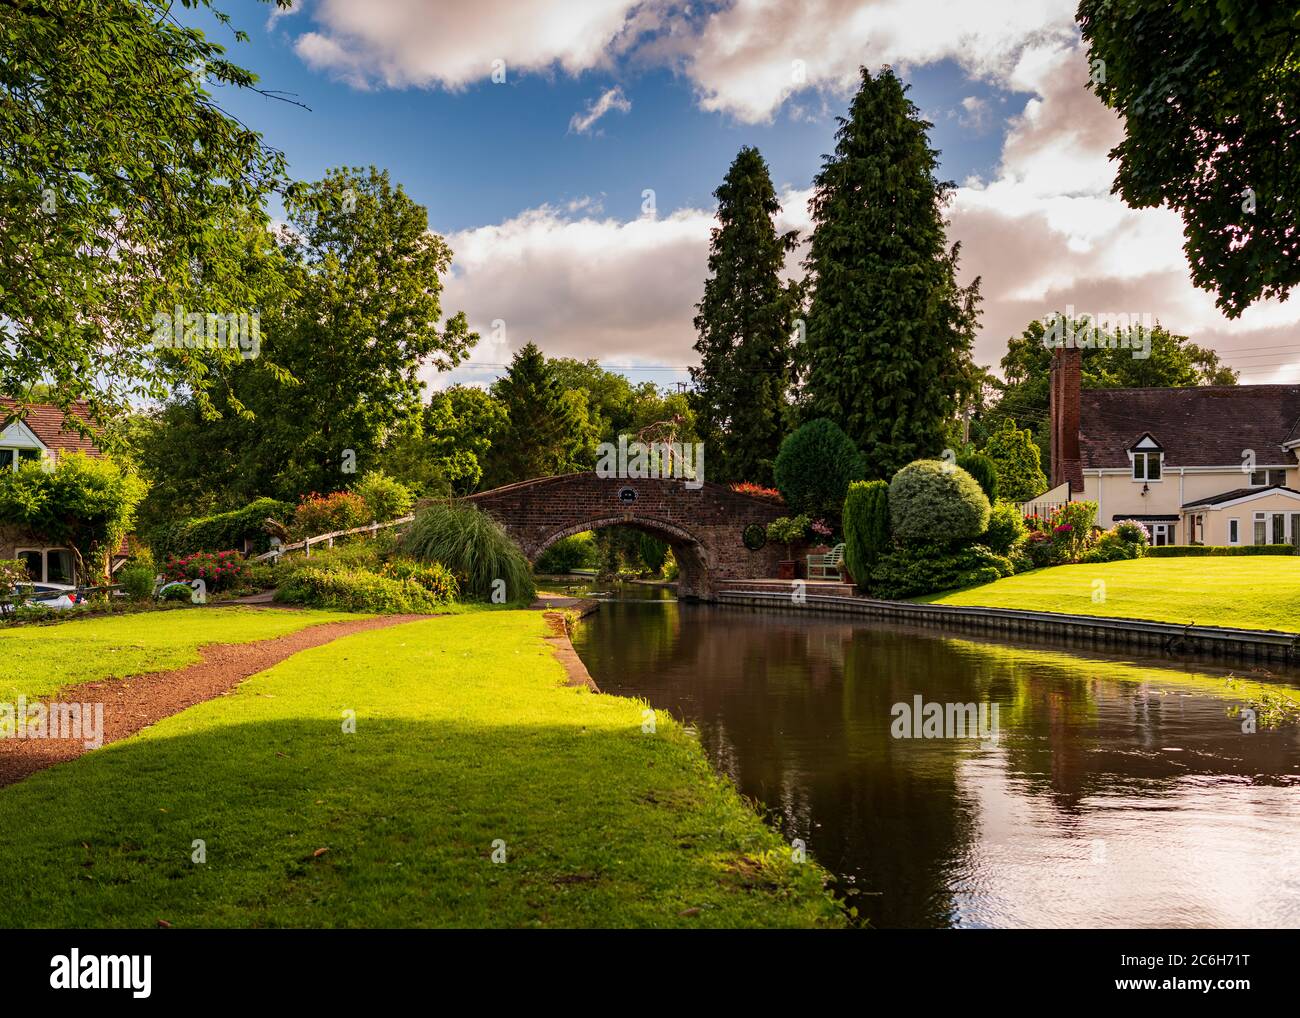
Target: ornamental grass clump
486 562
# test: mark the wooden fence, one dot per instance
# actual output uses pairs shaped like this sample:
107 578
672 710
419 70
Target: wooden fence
328 540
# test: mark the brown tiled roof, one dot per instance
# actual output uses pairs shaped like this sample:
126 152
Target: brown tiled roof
46 423
1208 425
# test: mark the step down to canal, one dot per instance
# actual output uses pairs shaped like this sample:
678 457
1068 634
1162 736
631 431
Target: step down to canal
1095 631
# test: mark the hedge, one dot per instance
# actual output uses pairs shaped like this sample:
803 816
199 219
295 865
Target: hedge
866 527
1195 550
220 531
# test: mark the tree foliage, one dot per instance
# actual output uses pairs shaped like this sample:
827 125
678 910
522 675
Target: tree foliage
540 435
814 468
1210 97
935 502
745 320
866 527
83 502
1016 459
125 191
889 329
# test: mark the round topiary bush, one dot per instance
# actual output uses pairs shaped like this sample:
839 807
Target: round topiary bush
814 468
937 502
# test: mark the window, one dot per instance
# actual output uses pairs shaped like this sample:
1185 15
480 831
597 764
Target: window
1263 478
1161 533
10 458
1279 528
1234 531
1295 529
1261 531
48 565
1146 466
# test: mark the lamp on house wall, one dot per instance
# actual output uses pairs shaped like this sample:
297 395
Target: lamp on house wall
1145 489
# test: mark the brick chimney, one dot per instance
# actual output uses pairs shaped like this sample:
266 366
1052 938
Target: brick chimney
1067 363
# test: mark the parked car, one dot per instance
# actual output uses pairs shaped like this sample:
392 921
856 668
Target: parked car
52 595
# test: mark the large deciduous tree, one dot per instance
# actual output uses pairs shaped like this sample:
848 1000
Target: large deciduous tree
744 323
889 329
1210 96
124 191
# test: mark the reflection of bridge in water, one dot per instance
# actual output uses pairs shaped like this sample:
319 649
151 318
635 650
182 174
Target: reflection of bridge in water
703 525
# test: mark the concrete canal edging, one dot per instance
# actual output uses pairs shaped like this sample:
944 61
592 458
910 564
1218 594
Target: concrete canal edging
1097 632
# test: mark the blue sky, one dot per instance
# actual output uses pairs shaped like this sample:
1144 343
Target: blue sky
547 222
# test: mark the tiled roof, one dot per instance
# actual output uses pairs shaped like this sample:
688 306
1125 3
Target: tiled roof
46 423
1236 493
1209 425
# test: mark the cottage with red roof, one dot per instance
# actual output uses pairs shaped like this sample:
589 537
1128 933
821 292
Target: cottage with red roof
39 433
1213 465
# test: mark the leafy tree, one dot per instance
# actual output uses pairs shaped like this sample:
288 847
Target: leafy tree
983 470
347 350
86 503
889 329
538 438
1026 368
744 324
1016 459
1210 96
814 468
446 455
125 191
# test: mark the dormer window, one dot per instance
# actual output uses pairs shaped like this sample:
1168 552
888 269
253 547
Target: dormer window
1148 457
1264 478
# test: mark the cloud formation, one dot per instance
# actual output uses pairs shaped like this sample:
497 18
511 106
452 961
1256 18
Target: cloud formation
611 99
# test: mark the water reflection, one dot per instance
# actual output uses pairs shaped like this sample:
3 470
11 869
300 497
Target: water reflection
1117 794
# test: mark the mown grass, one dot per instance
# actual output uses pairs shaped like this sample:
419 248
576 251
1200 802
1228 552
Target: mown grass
1247 592
465 736
38 660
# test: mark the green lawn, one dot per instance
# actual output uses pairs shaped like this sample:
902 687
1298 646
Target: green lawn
1246 592
464 735
38 660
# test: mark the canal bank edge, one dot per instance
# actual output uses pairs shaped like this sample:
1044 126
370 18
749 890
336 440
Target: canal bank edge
1212 642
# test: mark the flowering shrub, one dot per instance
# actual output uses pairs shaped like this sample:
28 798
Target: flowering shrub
819 530
757 491
219 570
323 514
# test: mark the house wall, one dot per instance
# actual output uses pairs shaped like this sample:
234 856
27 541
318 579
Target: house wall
1216 520
1116 492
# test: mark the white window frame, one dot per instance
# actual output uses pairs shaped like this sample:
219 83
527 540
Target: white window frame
1260 519
1234 530
1267 482
45 561
1164 530
1146 465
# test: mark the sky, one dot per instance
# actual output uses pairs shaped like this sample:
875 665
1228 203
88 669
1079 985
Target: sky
568 151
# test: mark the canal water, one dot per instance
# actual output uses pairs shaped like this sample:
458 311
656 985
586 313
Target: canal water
1114 792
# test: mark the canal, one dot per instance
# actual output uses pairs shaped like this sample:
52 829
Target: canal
1113 793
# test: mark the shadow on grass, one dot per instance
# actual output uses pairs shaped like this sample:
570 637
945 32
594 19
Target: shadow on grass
296 823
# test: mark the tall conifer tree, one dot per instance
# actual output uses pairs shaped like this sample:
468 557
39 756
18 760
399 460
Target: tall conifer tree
889 329
741 394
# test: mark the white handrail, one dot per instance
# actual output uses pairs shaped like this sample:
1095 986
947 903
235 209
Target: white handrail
305 545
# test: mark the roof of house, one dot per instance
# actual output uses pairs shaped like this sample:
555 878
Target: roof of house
1236 493
1210 425
46 423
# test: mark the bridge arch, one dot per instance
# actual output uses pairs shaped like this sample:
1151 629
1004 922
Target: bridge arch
704 523
689 551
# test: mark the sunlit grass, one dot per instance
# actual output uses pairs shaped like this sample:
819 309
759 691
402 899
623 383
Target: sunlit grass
38 660
1246 592
465 736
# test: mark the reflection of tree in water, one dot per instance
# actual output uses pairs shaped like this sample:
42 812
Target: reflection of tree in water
797 711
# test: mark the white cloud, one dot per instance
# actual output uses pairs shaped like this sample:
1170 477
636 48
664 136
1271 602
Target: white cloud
451 44
611 99
744 59
1047 232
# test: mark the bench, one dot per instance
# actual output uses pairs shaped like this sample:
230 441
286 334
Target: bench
826 567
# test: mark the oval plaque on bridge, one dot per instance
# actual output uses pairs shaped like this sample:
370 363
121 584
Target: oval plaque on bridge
627 495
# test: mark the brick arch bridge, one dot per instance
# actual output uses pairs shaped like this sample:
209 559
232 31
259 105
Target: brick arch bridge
704 526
